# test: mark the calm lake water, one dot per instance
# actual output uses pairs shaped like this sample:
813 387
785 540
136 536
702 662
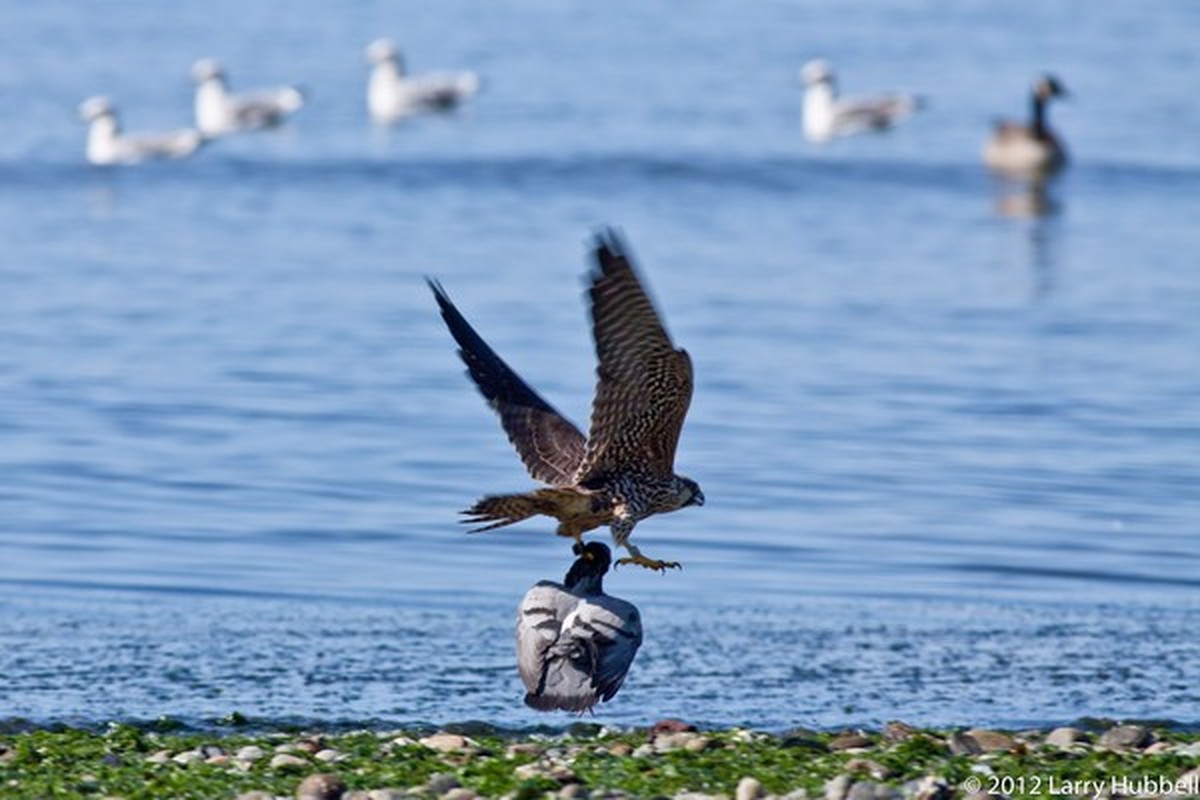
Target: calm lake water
951 458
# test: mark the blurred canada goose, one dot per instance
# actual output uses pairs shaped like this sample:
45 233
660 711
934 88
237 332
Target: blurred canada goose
106 144
826 115
1031 149
392 94
218 112
574 642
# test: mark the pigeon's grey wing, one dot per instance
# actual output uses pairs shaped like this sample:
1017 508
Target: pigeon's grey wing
539 622
589 657
617 627
567 682
644 384
549 445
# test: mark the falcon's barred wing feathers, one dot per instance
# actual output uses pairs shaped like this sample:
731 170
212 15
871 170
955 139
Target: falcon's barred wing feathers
549 445
644 384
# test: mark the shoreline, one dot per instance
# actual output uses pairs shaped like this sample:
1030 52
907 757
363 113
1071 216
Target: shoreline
670 759
557 724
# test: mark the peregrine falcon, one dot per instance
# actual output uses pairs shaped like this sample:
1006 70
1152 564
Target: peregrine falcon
624 470
574 642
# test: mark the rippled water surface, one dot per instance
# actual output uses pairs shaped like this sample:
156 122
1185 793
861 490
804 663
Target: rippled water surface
951 457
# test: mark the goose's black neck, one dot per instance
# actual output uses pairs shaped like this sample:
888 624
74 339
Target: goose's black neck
1038 122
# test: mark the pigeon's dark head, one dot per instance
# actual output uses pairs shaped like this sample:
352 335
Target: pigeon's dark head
593 561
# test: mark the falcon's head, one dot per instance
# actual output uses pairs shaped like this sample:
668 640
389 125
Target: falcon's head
687 492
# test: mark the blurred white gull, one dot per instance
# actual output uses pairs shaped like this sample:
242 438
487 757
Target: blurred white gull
392 94
1028 150
106 144
574 642
826 115
218 112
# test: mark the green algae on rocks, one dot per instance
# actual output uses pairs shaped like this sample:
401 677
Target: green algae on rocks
669 760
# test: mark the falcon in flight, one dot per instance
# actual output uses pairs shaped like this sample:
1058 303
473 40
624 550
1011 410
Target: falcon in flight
624 470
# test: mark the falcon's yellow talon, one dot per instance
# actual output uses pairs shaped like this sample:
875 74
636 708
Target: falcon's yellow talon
650 563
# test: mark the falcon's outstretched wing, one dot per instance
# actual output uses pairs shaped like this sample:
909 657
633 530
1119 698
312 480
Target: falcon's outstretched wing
644 384
548 444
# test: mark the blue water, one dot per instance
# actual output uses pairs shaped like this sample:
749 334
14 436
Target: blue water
951 458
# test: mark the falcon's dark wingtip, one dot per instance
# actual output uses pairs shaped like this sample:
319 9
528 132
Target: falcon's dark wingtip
612 253
496 381
460 329
439 293
472 348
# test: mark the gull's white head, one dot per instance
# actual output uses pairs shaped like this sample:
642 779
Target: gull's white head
96 107
817 71
207 69
381 50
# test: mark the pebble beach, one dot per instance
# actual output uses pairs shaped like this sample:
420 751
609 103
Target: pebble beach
671 759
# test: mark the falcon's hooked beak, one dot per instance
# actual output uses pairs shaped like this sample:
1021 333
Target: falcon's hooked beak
697 499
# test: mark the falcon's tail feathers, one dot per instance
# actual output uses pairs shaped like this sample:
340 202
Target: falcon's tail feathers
496 511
